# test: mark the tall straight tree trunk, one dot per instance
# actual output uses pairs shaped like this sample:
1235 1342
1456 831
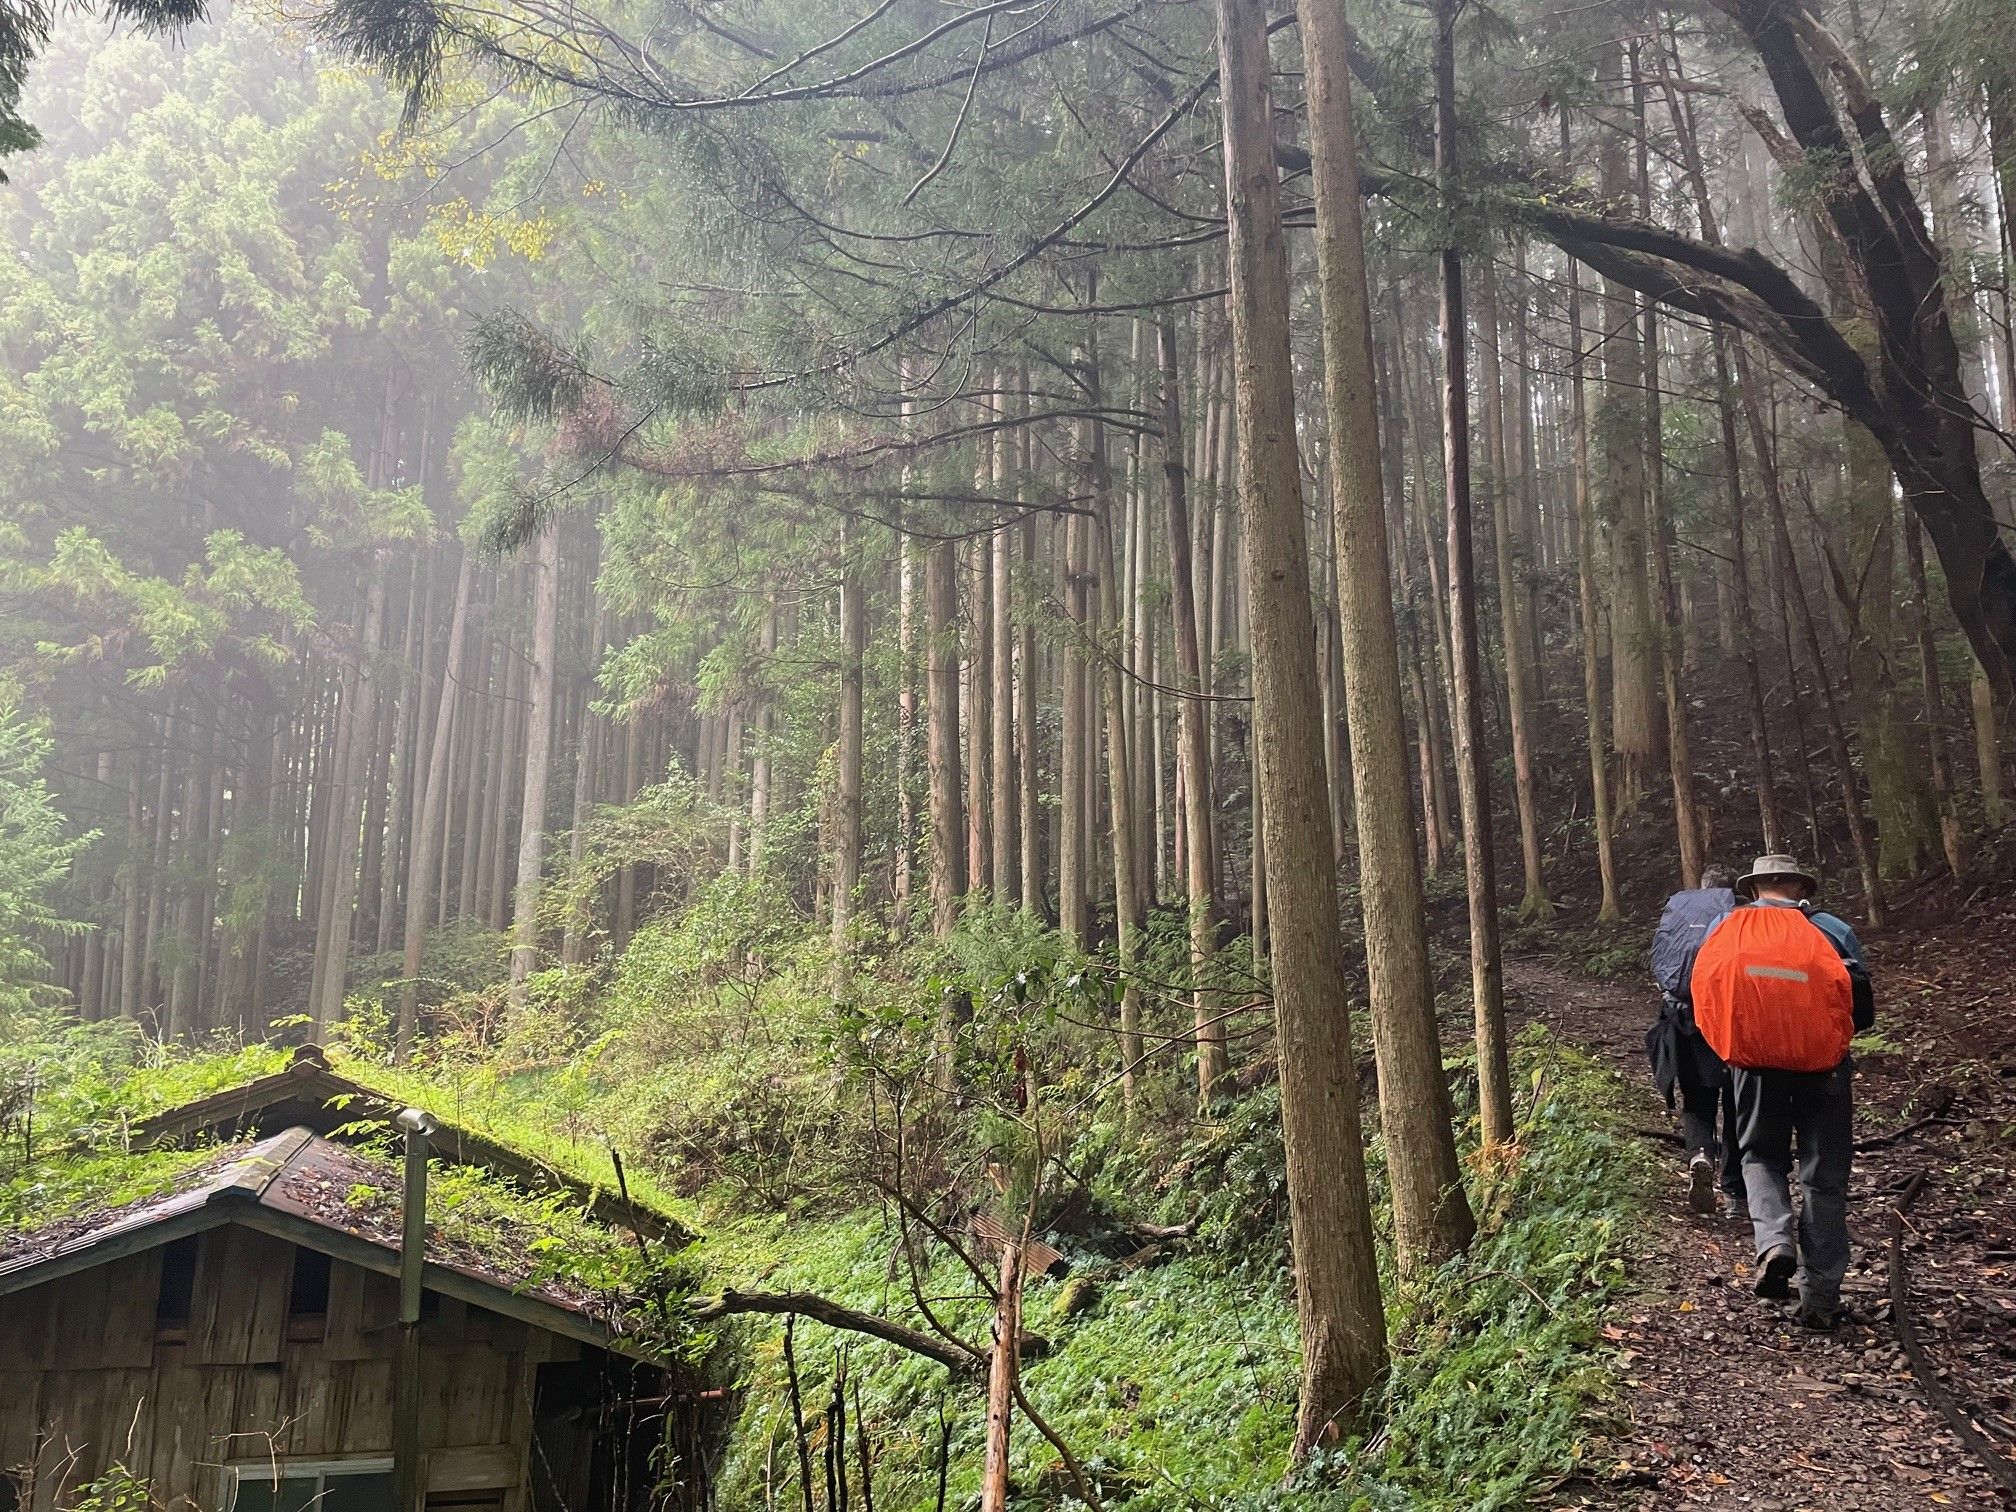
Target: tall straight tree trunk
590 732
1473 758
1072 841
980 687
1621 425
158 867
1687 817
1793 596
1430 1212
491 753
941 651
848 757
1004 796
415 686
1952 838
1191 713
433 809
1028 743
1608 911
384 782
1837 731
1988 750
1532 535
1435 561
1668 646
625 922
1329 1208
1419 674
339 899
1534 904
907 616
1127 906
133 878
1106 635
184 988
1768 816
1743 617
761 770
506 753
476 746
545 594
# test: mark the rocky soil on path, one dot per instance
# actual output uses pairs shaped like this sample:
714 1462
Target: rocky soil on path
1727 1404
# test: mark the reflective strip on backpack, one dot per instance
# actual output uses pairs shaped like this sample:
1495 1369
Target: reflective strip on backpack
1777 973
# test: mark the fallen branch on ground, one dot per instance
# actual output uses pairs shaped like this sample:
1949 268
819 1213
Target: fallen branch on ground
1881 1141
1991 1458
1160 1231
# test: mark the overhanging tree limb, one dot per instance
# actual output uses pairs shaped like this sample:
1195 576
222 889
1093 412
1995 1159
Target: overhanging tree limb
955 1356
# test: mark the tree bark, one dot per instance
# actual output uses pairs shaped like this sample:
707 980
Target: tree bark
1534 904
1330 1219
545 595
1001 671
1952 838
848 816
941 651
1621 430
1108 640
1072 839
433 809
1002 1368
1028 743
1473 759
1743 621
1191 714
1430 1212
1608 911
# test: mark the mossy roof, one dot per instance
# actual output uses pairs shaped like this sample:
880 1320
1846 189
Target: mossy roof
340 1200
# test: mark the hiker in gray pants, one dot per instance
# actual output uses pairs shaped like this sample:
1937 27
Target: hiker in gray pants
1815 1107
1819 1108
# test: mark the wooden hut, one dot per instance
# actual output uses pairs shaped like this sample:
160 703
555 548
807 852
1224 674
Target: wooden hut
234 1344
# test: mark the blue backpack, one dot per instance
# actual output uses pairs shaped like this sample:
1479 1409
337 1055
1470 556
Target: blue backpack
1682 927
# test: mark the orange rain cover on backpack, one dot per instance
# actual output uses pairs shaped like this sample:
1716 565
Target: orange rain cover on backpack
1771 993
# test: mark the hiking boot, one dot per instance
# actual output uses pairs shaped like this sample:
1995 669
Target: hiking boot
1819 1312
1701 1183
1774 1272
1735 1208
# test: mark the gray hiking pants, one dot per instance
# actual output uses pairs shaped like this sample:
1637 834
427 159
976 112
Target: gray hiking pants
1817 1108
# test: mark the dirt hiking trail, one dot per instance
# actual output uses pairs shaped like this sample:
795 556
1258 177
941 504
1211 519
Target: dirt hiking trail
1727 1402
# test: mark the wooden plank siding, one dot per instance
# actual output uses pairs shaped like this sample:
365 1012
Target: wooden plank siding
84 1382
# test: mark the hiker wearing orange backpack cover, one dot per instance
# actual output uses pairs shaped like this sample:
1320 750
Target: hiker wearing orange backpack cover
1779 990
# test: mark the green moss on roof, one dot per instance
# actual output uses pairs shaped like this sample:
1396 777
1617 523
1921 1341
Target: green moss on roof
60 1184
518 1110
80 1157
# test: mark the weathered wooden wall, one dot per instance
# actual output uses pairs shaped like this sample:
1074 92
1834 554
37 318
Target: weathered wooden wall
84 1383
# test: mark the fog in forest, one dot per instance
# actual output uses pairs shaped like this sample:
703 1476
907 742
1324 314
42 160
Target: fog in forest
992 703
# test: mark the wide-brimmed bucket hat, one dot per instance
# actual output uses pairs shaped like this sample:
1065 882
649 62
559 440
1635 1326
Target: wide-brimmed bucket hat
1771 869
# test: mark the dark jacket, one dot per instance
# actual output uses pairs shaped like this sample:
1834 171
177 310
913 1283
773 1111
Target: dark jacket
1679 1056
